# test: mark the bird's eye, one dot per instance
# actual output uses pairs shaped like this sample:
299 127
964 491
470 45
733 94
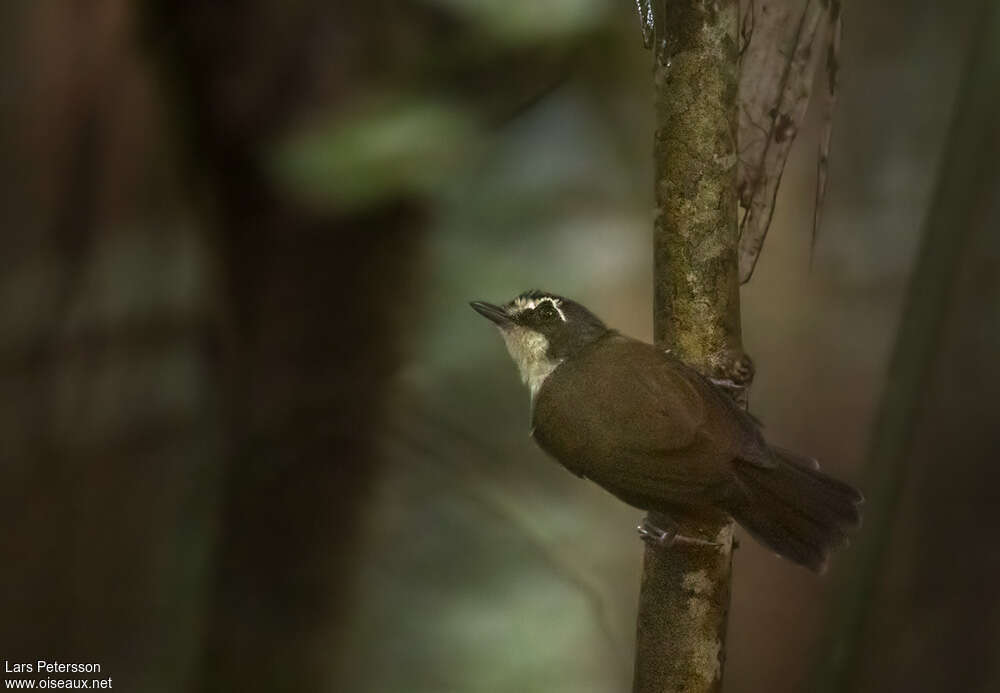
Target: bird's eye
547 312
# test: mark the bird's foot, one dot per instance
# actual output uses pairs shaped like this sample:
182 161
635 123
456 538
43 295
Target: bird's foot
732 371
726 384
655 535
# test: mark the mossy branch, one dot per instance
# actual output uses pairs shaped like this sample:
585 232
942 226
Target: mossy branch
684 599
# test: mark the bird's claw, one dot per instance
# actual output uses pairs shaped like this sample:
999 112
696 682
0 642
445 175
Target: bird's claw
655 535
726 383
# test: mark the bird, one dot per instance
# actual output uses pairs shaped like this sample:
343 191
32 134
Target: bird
654 432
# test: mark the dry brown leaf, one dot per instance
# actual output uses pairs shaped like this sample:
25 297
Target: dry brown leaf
781 50
832 73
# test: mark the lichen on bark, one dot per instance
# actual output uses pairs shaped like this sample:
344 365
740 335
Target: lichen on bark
684 597
696 302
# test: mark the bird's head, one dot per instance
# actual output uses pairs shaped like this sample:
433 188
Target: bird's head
541 331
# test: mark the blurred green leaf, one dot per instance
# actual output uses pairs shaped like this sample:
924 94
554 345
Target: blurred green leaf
530 21
374 154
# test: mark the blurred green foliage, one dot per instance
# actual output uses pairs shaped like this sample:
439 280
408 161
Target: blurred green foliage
374 154
531 22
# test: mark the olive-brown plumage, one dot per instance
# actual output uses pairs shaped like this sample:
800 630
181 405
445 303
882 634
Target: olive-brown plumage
655 433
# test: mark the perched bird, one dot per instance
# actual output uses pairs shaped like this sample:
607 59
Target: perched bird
660 436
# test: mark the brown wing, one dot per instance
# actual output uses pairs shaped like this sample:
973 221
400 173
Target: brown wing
633 419
734 423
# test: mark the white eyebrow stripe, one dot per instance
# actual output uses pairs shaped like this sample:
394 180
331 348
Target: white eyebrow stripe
521 304
555 304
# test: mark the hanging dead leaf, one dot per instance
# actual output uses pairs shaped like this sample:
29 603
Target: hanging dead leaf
832 74
782 48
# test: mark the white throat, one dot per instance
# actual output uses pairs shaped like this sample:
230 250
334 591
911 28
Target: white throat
528 349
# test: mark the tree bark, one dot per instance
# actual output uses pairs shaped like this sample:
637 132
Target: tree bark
685 591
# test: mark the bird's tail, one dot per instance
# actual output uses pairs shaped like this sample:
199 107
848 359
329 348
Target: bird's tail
796 510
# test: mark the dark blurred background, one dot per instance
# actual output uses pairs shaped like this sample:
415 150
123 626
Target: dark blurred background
252 437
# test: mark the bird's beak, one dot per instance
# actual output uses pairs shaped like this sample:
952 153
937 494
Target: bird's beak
493 313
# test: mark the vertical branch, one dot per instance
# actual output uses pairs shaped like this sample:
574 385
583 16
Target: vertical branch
684 598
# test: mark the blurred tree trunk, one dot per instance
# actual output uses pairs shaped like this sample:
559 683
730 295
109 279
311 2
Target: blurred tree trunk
109 427
684 600
190 361
311 297
925 599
